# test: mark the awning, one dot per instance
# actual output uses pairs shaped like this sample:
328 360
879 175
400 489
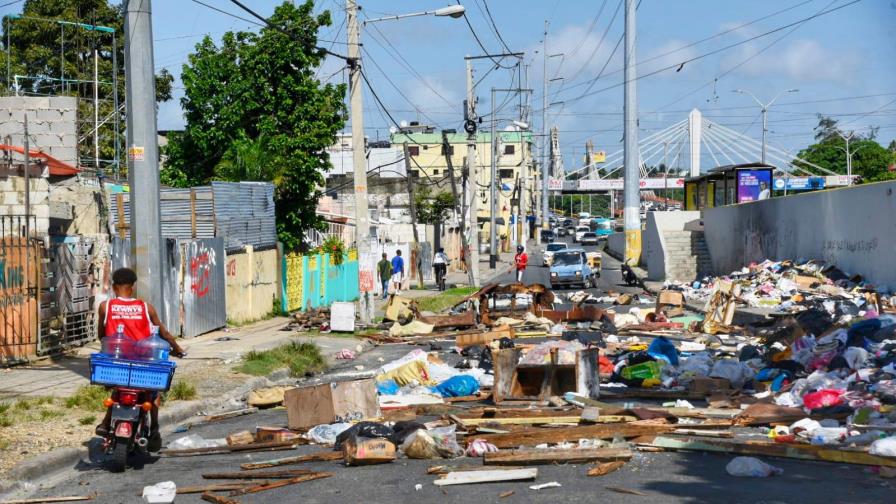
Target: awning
57 167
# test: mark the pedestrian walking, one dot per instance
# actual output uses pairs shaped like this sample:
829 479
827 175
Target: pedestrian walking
384 269
521 260
397 271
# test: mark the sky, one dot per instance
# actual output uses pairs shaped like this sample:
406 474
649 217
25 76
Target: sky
843 63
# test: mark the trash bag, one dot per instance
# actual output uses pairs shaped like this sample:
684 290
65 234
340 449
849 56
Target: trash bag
862 330
885 447
751 467
160 492
429 444
814 321
366 430
822 398
403 429
326 433
387 387
662 348
749 352
457 386
505 343
195 441
479 447
734 371
473 352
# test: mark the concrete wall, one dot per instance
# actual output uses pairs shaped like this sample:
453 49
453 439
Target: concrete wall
654 253
52 124
12 200
615 244
854 228
252 283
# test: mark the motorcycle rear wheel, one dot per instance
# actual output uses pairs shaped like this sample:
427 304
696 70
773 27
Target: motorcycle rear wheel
119 455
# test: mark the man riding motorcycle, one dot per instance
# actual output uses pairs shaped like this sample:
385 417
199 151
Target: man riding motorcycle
137 317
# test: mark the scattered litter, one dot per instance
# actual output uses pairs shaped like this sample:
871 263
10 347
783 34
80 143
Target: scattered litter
752 468
160 492
542 486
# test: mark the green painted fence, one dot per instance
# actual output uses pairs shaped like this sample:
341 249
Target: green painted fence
311 281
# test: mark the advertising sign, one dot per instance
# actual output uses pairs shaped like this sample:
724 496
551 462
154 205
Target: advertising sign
753 185
617 184
799 183
555 184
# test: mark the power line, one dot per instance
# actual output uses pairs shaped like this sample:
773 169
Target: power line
222 11
495 26
395 86
479 42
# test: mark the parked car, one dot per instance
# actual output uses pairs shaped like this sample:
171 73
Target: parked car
561 231
548 255
548 236
589 238
568 223
580 230
570 268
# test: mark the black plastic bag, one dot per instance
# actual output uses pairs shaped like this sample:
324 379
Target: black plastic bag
364 429
403 429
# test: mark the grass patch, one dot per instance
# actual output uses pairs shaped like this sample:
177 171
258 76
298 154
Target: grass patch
181 391
24 404
49 413
88 420
444 300
88 397
4 444
5 421
4 407
299 358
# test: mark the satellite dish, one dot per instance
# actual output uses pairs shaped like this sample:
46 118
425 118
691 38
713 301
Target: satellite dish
403 124
393 129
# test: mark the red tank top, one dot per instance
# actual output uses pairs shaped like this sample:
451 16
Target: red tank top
132 313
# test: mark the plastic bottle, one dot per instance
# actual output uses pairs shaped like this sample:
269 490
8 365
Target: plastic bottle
154 348
118 345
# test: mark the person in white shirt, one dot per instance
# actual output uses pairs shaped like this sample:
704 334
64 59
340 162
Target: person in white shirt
440 266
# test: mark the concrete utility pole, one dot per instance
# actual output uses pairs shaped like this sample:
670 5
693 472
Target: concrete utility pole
143 153
359 162
631 181
96 110
449 152
545 208
412 205
493 181
472 186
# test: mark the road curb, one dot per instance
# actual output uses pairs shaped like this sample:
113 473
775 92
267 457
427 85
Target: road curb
29 472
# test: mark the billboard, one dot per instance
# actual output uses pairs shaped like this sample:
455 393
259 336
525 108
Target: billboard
799 183
753 185
617 184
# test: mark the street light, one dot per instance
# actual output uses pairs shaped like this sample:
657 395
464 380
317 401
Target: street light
359 159
452 11
849 153
764 108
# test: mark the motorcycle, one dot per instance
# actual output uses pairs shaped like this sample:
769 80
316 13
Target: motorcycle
130 427
628 275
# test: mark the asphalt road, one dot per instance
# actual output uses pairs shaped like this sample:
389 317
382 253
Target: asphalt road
659 477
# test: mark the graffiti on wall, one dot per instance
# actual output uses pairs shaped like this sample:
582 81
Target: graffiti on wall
230 269
201 263
293 271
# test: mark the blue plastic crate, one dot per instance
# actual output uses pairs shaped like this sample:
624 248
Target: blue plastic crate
105 370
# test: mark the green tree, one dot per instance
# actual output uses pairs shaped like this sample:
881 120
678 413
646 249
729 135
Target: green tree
868 160
432 209
254 100
58 59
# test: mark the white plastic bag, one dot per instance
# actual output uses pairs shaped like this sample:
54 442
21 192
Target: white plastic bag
195 441
326 433
160 492
750 467
885 447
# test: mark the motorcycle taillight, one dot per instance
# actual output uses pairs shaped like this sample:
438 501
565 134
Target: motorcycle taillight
127 398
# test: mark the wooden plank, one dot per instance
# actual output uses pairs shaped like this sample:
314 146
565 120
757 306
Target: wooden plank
552 456
218 499
445 468
38 500
803 452
289 473
706 433
217 487
282 483
535 436
605 468
470 339
487 476
571 419
321 456
217 450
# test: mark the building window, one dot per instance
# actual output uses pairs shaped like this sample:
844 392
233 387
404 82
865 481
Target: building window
450 150
505 174
414 150
435 172
509 150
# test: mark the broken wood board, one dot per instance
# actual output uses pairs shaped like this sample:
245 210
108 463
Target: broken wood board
217 450
535 436
487 476
641 393
217 499
803 452
280 483
321 456
605 468
38 500
217 487
571 419
704 433
289 473
468 339
445 469
555 456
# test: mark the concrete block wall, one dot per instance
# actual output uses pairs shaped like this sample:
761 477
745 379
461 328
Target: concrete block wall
852 227
687 256
252 283
52 122
12 200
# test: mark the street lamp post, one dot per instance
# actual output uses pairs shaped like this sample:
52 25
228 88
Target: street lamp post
764 108
359 160
849 153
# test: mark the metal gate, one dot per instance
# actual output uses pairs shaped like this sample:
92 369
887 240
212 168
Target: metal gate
202 288
69 285
19 289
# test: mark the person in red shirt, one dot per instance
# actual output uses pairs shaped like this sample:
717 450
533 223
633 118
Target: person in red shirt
137 317
521 260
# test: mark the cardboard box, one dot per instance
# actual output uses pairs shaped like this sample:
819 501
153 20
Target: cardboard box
706 386
265 434
331 402
367 451
240 438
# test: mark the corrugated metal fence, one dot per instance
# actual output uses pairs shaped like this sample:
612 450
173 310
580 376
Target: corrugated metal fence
310 281
193 283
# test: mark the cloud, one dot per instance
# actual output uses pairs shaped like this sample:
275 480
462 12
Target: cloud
802 60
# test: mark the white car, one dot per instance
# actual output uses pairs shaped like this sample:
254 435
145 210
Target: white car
547 257
580 230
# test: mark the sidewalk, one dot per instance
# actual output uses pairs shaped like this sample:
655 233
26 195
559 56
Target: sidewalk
62 376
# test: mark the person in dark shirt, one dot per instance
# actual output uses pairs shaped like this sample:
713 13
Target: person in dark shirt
384 269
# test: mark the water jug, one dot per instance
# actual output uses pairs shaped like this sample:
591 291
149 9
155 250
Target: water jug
154 348
118 345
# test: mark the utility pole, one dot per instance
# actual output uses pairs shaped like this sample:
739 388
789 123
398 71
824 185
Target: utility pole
472 187
27 176
631 183
545 210
413 208
763 107
143 153
96 110
446 145
359 161
493 180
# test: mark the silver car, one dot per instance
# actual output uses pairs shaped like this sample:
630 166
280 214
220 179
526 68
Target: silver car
547 257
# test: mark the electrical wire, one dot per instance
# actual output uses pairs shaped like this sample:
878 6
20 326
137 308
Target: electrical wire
397 89
479 42
495 26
